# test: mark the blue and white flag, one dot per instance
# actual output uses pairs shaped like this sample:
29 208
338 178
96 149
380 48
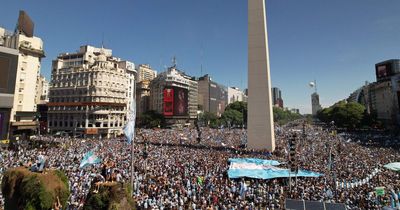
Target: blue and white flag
262 169
89 159
129 129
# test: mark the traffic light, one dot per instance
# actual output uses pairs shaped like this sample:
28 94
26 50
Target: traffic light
292 153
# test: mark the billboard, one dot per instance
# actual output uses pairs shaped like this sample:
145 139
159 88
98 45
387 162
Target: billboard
25 24
168 101
175 101
91 131
180 102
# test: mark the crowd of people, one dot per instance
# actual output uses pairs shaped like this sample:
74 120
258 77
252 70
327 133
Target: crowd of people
172 170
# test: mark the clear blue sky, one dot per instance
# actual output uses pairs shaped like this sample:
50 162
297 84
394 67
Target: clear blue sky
335 42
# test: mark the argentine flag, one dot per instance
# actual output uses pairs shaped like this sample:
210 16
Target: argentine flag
129 129
89 159
262 169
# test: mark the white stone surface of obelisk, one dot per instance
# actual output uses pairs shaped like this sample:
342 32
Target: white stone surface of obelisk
260 126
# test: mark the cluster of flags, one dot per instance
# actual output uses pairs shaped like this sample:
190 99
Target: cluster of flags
350 185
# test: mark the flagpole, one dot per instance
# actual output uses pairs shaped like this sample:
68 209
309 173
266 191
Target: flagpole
133 140
132 165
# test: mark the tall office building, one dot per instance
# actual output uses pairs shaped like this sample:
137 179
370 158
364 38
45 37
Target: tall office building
92 92
30 53
212 96
174 94
277 97
8 72
315 105
145 74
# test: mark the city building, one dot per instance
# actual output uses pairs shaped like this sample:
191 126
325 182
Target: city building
42 90
315 105
145 74
362 96
174 94
91 94
212 96
381 98
8 72
295 111
277 97
235 94
30 53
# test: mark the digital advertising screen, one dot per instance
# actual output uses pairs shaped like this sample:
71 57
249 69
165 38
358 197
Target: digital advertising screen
383 71
180 101
168 101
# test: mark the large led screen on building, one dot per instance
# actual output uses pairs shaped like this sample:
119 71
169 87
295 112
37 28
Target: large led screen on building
180 101
168 101
383 71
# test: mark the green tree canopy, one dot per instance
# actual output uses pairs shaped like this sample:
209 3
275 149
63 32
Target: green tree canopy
232 117
152 119
349 115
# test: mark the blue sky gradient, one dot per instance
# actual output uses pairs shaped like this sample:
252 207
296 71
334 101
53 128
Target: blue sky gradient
335 42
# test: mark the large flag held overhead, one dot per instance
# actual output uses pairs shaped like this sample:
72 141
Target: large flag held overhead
129 129
89 159
395 166
262 169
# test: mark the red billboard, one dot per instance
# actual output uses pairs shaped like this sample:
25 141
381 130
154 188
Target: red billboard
180 101
168 101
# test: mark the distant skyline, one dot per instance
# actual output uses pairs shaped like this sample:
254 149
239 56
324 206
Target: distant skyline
336 43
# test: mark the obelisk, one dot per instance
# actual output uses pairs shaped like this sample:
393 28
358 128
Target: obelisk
260 125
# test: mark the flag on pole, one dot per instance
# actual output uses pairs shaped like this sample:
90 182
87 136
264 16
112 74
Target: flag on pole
129 129
89 159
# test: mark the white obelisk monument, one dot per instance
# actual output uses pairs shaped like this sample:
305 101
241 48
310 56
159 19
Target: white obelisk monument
260 126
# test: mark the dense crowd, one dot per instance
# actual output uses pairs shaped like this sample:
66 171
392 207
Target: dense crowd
174 171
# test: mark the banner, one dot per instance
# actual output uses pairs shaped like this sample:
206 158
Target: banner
262 169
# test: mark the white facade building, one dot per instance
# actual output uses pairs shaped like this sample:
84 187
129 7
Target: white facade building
174 78
145 73
91 92
31 52
42 90
235 94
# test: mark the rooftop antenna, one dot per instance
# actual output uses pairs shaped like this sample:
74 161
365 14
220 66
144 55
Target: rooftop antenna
102 40
174 61
201 59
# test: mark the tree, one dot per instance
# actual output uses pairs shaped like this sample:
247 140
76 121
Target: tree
232 117
347 115
282 116
207 117
239 106
152 119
